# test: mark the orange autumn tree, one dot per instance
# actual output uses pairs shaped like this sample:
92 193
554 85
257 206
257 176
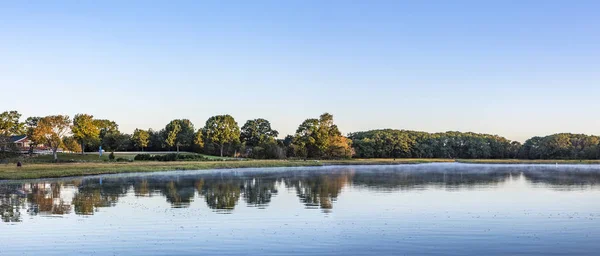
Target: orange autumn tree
50 130
321 138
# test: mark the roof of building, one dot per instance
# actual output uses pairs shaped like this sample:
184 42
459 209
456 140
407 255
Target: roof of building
17 138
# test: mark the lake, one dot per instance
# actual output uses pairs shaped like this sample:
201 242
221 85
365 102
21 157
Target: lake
427 209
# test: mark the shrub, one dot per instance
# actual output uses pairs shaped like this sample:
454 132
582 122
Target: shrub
142 157
111 156
170 157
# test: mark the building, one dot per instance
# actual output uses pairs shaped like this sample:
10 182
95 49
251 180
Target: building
22 143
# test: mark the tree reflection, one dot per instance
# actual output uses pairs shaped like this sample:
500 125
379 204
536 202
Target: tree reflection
95 194
87 201
221 195
45 198
142 188
11 203
221 192
319 191
179 194
258 191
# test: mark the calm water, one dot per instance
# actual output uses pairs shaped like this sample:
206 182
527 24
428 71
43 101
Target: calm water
432 209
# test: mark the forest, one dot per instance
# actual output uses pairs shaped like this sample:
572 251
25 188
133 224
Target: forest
467 145
315 138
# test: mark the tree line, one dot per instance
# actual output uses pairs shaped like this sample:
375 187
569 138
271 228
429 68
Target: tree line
220 135
467 145
315 138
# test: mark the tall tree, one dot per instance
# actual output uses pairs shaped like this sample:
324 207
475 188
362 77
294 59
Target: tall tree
116 141
172 130
140 138
157 140
221 130
179 132
305 140
85 129
71 144
317 138
257 131
30 125
106 126
51 130
9 125
199 139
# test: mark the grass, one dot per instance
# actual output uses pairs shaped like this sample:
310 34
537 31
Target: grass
51 170
92 165
34 171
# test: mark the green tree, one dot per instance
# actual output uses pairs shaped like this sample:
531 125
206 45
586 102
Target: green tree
106 127
157 140
260 140
51 130
179 132
9 125
256 132
30 125
116 141
318 138
71 144
85 129
140 138
199 139
221 130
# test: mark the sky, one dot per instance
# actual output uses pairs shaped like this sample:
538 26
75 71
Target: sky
512 68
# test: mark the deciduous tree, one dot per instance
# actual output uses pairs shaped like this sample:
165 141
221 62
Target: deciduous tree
71 144
221 130
321 138
30 125
179 132
9 125
116 141
51 130
85 130
140 138
257 131
199 139
106 127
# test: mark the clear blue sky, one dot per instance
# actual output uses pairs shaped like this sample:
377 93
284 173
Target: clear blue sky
513 68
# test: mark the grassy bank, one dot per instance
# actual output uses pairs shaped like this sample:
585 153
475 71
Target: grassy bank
49 170
52 170
33 171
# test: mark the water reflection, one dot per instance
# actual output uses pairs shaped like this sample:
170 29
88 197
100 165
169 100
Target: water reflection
320 191
222 191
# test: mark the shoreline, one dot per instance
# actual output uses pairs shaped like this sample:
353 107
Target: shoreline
61 170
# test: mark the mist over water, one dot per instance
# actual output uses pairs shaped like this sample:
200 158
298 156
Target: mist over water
432 209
